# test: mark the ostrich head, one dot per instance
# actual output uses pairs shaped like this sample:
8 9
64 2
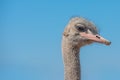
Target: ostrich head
80 32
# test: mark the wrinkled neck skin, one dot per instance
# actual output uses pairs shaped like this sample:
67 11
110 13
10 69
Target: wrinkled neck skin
71 60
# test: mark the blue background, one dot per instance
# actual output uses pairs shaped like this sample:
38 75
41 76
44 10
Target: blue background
31 33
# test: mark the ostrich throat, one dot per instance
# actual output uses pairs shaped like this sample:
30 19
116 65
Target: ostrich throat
71 61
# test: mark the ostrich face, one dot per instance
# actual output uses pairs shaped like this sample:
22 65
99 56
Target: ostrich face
80 32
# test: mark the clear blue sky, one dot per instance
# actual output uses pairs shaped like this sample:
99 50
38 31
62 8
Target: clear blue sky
30 39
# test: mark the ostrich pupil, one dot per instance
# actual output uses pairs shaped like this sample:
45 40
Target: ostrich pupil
80 28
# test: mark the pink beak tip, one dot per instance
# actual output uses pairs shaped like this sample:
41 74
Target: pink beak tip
107 42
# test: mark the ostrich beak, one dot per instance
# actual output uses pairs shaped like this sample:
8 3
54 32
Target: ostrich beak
95 38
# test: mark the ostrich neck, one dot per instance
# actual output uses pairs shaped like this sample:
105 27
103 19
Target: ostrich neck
71 62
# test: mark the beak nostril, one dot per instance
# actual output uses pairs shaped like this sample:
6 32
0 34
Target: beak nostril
98 37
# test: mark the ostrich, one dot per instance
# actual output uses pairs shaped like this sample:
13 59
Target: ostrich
79 32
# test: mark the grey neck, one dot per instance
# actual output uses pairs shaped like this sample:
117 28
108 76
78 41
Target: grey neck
71 62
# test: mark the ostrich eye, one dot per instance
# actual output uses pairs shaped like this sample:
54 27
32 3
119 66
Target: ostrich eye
81 28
